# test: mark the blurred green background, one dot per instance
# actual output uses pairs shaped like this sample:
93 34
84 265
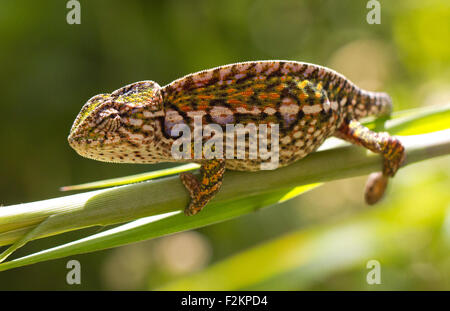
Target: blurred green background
48 69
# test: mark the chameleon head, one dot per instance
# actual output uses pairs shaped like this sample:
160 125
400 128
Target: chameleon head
123 126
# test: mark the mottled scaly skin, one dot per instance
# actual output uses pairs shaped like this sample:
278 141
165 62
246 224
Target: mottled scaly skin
309 103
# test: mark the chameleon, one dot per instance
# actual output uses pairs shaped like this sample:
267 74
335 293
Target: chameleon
308 102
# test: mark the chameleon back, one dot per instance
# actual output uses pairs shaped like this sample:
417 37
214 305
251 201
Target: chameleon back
281 93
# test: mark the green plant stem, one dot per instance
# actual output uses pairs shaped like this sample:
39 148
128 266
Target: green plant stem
130 202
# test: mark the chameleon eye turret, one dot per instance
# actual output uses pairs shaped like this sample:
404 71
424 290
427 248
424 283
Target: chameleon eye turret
309 103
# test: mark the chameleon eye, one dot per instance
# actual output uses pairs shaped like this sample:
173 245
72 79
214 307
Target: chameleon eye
148 87
109 120
144 93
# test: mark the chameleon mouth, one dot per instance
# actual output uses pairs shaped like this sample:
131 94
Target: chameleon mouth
79 144
96 150
94 147
85 147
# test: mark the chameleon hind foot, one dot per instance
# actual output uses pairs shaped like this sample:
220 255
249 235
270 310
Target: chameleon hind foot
390 147
203 190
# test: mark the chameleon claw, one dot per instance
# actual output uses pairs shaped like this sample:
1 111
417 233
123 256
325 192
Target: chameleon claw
375 187
190 182
191 210
192 185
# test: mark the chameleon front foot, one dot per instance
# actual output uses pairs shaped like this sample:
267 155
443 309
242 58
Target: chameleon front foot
193 186
201 192
390 147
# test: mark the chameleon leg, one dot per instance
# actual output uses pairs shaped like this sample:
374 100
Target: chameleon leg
201 192
390 147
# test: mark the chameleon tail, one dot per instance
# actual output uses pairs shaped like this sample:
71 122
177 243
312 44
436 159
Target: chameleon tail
384 103
390 147
375 104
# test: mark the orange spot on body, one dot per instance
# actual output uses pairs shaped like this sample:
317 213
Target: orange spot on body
205 96
263 96
182 98
280 87
202 106
185 108
303 96
234 102
248 92
274 95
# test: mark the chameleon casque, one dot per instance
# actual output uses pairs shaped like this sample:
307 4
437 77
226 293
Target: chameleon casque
309 103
